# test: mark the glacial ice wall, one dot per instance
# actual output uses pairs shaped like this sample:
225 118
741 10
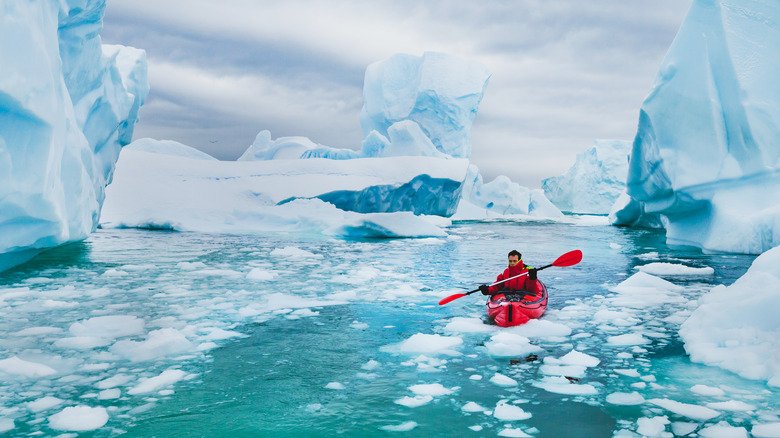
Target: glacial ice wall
67 106
594 182
706 155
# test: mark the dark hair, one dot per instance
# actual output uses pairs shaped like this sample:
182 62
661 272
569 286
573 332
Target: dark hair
516 253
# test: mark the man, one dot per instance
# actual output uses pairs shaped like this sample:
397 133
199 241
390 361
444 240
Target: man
520 285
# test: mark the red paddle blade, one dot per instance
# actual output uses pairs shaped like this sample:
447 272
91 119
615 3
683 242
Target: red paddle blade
451 298
568 259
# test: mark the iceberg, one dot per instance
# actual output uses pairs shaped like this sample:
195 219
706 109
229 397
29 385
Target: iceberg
594 182
67 106
736 327
705 158
174 188
439 93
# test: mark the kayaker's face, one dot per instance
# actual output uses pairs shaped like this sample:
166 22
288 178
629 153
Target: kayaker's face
513 260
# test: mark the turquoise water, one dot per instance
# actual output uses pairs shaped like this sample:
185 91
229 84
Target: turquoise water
311 348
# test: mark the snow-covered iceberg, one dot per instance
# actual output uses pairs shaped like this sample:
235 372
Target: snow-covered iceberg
736 327
67 106
594 182
158 184
706 156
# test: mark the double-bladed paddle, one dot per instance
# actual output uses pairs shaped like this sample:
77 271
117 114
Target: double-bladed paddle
568 259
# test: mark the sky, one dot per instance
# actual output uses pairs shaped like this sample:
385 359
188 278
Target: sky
564 72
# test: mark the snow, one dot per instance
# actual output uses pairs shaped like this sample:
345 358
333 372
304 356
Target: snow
69 104
749 344
594 182
705 156
79 418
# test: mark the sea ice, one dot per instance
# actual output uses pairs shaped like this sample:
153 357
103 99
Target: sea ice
707 390
44 403
431 389
562 385
158 343
505 411
625 399
505 344
23 368
431 344
472 407
694 412
167 378
499 379
403 427
672 269
723 430
79 418
513 433
416 401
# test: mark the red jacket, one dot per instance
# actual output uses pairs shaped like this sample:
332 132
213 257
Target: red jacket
516 284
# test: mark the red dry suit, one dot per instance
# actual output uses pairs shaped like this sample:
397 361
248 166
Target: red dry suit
517 285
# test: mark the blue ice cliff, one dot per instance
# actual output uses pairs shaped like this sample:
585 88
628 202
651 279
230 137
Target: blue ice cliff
705 160
67 106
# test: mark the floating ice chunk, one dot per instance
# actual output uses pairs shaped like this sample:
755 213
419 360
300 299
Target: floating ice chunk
37 331
707 390
652 427
403 427
218 334
109 394
513 433
6 424
627 339
475 377
625 398
335 385
413 402
18 367
561 385
166 379
82 342
43 404
431 344
627 372
563 370
108 327
295 253
357 325
79 418
766 430
461 324
502 380
159 343
723 430
508 412
476 428
673 269
114 381
472 407
506 344
370 365
432 389
681 428
541 328
610 315
686 410
257 274
575 357
644 290
732 405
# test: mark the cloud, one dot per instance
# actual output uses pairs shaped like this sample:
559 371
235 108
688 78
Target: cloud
565 72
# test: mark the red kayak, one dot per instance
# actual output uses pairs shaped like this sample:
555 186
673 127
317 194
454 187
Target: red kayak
509 310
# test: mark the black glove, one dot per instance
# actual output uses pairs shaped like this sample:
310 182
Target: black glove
484 289
532 274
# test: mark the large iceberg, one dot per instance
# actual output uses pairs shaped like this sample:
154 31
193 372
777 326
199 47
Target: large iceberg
67 106
594 182
706 155
166 185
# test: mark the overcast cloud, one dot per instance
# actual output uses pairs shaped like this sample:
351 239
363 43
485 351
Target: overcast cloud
565 72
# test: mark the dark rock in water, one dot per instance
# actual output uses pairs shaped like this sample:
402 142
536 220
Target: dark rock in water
529 358
572 379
